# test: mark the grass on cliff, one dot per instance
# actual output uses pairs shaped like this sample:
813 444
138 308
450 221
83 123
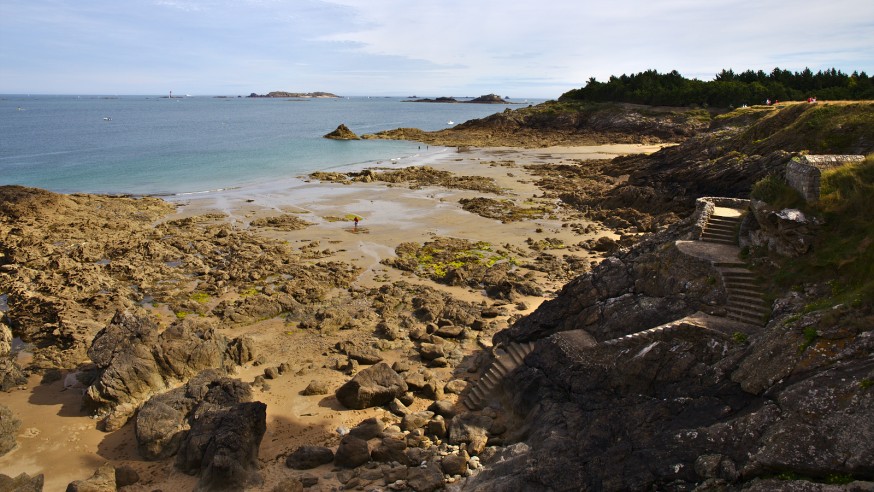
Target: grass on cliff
843 253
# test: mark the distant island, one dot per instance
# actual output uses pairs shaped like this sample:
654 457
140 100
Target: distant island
487 99
294 94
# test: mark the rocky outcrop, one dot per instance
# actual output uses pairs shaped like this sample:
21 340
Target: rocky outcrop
294 94
342 133
164 420
11 374
693 408
374 386
648 285
134 361
22 483
9 426
787 232
223 446
69 262
103 480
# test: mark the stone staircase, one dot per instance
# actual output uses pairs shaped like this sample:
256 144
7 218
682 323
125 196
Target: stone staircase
507 358
744 295
650 333
722 229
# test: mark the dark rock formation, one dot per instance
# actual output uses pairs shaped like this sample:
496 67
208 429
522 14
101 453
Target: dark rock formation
164 420
223 446
307 457
648 285
342 133
294 94
374 386
352 452
696 407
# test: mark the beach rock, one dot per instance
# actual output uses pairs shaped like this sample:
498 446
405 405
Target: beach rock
125 475
454 464
22 483
359 352
223 444
308 457
470 429
373 386
291 485
11 374
163 422
443 407
426 478
368 429
352 452
316 387
136 361
787 232
342 133
103 480
417 420
9 426
391 449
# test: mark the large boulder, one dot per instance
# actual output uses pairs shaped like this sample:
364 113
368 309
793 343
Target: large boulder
307 457
8 429
223 446
377 385
136 360
103 480
163 422
22 483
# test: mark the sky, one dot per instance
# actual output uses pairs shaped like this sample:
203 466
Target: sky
514 48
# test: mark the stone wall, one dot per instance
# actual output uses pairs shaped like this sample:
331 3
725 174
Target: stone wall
804 174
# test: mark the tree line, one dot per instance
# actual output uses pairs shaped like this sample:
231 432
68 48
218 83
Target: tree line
728 89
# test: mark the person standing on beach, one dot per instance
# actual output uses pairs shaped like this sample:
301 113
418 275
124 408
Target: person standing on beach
356 222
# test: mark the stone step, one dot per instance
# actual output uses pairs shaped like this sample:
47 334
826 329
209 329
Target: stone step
741 284
748 311
745 318
719 241
729 264
745 297
730 229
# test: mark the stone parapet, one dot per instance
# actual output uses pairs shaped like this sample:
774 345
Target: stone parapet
803 174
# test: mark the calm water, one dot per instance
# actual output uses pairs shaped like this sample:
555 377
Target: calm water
153 145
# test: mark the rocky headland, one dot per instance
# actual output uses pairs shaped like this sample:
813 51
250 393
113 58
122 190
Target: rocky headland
302 95
486 99
593 332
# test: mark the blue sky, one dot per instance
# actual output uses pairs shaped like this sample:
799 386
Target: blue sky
516 48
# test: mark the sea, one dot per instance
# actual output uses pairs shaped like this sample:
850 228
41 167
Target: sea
162 146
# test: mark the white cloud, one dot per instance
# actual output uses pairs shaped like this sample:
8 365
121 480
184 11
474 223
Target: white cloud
436 47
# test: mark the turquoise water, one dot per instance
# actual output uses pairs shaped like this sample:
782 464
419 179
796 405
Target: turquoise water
159 146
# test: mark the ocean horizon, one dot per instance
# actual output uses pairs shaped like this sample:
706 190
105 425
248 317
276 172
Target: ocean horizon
155 145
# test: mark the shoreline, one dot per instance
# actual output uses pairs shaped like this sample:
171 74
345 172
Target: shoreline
57 438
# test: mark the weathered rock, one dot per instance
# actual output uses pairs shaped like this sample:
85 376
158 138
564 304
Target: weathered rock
126 475
163 422
417 420
352 452
223 446
316 387
137 362
471 429
307 457
359 352
373 386
787 232
289 485
443 407
425 478
391 448
22 483
342 133
368 429
103 480
454 464
9 426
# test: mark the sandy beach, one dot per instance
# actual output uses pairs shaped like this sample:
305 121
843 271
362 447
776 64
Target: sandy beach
57 439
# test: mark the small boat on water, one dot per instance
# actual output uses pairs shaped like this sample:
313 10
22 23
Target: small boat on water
107 118
450 122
